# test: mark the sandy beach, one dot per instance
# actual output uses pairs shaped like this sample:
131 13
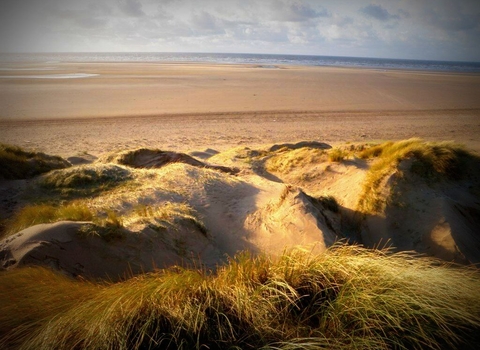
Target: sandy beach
188 165
187 106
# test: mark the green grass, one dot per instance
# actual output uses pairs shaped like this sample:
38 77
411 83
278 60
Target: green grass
16 163
433 162
346 298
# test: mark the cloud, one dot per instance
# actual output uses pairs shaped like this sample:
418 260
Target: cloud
131 8
378 12
343 21
297 11
206 23
455 21
375 28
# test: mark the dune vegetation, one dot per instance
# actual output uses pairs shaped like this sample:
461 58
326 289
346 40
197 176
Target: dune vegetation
17 163
433 162
218 231
346 298
45 213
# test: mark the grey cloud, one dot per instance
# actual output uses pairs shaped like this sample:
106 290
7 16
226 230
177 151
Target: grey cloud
404 13
260 33
352 27
90 22
343 21
131 8
297 11
206 23
458 22
378 12
99 8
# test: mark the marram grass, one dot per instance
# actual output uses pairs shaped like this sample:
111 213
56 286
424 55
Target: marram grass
432 161
36 214
346 298
17 163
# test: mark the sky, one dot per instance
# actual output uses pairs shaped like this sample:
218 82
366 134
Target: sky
408 29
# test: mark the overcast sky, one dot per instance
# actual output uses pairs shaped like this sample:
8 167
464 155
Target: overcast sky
419 29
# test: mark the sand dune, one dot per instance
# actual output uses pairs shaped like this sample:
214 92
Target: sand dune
282 196
220 162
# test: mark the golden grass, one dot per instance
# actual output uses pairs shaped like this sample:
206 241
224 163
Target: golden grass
287 160
168 214
86 179
336 155
16 163
346 298
431 161
44 213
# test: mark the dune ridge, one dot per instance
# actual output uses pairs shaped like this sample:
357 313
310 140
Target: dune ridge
185 210
152 249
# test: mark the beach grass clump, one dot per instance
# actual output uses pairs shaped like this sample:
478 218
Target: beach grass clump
109 231
346 298
433 162
36 294
36 214
337 155
86 179
286 160
17 163
168 214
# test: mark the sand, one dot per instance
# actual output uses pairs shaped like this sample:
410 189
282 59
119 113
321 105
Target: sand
191 107
236 117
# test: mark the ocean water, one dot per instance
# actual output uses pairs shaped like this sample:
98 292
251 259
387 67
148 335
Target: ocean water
266 60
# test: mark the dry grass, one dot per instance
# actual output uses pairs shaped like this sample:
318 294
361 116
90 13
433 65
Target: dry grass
433 162
287 160
16 163
346 298
45 213
337 155
86 180
168 214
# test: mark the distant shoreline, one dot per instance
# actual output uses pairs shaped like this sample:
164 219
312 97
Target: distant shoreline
235 58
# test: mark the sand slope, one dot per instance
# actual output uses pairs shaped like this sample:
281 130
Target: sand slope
175 209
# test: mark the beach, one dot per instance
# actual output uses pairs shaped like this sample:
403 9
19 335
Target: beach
100 107
191 197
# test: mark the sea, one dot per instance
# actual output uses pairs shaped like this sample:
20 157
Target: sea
264 60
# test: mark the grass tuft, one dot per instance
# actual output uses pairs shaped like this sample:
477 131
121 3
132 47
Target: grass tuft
433 162
16 163
45 213
86 180
169 214
337 155
286 160
346 298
